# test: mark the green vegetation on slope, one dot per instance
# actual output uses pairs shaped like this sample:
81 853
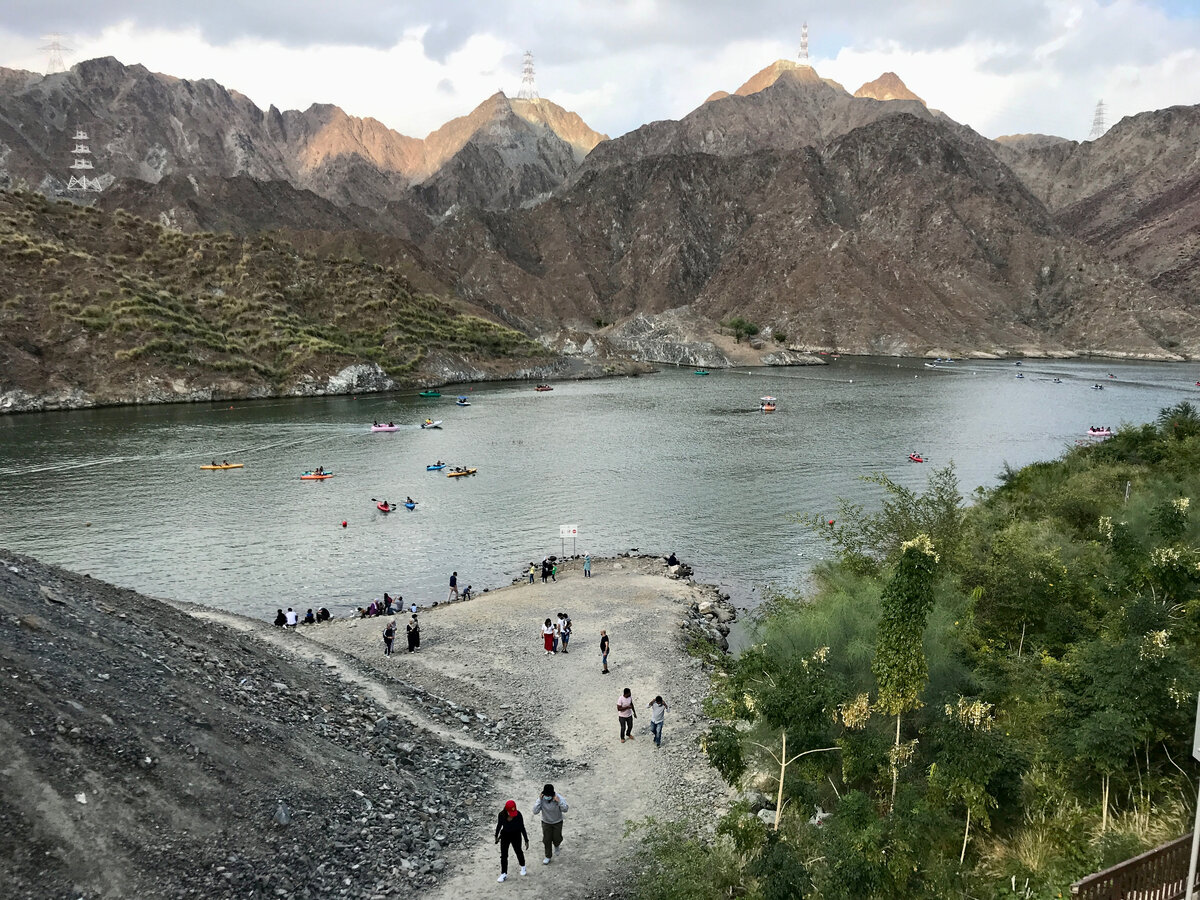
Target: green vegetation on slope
250 306
990 702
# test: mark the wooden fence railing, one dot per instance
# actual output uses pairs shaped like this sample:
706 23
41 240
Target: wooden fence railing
1158 874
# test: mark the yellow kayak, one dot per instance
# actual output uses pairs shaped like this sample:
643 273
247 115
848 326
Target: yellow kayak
226 466
460 474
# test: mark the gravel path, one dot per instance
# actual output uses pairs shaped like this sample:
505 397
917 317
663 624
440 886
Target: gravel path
557 715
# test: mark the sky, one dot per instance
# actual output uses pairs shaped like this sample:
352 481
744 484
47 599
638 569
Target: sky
1000 66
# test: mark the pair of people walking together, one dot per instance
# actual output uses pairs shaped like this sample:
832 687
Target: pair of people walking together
510 829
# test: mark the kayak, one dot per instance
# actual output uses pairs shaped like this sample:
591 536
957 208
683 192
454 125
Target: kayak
430 394
462 401
914 458
410 505
700 372
435 468
543 387
437 424
309 476
1100 432
226 466
383 507
460 474
385 427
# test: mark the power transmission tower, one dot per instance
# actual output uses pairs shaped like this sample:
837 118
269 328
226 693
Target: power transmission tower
82 165
528 85
1098 126
55 49
804 45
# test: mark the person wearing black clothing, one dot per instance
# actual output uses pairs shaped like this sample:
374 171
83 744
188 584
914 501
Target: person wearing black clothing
414 634
389 635
323 615
309 618
280 619
604 652
672 560
510 830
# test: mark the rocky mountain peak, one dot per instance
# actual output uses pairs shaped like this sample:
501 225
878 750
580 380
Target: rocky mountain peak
887 86
785 69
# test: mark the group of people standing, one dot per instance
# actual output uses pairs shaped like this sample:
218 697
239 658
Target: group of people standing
557 632
412 629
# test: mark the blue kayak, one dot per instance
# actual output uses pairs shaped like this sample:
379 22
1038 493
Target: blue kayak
410 505
435 468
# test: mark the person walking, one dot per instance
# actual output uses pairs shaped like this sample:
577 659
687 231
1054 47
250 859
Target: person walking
416 632
626 714
411 631
603 652
566 631
548 637
510 829
389 635
453 587
551 806
658 711
587 565
532 572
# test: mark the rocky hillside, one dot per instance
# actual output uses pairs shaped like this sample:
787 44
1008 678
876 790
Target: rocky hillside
146 126
150 754
100 308
899 237
1134 192
887 86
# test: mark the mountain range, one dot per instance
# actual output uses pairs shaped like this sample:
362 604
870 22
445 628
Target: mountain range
864 222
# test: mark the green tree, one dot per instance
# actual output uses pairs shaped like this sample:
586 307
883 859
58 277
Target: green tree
900 667
741 328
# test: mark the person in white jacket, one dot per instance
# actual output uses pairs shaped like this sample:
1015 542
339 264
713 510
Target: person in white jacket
551 806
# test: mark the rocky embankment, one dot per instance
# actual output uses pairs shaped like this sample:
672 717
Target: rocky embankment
148 753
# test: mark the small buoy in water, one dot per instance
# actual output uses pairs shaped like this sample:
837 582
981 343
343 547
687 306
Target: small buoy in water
343 523
831 522
87 524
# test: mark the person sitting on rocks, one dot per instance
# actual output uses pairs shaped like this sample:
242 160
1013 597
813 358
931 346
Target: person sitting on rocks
672 560
280 619
323 615
372 610
309 618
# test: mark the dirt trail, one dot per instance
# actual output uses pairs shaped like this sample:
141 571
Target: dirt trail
558 716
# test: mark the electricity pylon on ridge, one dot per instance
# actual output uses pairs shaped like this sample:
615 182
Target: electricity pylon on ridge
804 45
1098 124
528 85
54 48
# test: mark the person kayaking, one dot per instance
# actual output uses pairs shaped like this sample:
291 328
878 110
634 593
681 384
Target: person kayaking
391 425
375 424
410 500
440 463
383 504
214 462
429 421
224 462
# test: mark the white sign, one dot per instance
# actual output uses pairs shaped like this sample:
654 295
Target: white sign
572 531
1196 734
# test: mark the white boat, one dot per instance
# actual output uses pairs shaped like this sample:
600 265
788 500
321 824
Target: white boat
462 401
431 424
766 404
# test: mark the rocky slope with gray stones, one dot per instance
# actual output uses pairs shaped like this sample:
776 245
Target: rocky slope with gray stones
148 753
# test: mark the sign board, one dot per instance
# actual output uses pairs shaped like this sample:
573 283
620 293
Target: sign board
568 531
1196 735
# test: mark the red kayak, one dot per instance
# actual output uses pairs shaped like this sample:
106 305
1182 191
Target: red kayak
383 507
914 458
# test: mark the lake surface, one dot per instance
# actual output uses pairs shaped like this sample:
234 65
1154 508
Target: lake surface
666 462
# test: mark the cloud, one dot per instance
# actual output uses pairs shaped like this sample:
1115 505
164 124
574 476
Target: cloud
1019 65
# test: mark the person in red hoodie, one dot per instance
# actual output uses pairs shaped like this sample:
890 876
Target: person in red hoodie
510 830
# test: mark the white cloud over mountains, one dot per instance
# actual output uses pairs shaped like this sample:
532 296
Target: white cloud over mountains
1001 67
